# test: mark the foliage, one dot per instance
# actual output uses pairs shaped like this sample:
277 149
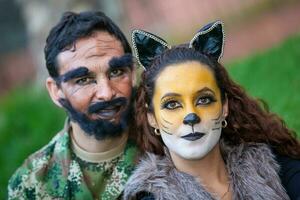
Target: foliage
274 77
29 119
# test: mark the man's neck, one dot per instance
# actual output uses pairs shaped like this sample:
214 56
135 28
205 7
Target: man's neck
90 144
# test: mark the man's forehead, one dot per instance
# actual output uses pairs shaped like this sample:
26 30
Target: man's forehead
99 44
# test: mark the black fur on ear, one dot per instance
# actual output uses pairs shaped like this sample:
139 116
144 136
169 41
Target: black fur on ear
146 46
210 40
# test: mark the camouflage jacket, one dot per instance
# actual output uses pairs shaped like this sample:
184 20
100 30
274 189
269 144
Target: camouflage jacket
53 173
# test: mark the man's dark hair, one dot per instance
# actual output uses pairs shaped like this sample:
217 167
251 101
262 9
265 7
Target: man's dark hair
73 26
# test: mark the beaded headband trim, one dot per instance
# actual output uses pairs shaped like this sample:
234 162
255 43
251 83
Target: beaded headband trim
209 40
217 24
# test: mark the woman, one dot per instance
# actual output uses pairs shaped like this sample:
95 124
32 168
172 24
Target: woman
205 138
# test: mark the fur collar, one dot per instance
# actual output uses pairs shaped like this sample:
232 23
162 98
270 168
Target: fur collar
252 168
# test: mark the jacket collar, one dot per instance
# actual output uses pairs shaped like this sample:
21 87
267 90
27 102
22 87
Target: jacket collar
252 168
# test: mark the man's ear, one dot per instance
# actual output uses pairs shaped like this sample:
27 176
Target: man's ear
54 91
152 120
133 76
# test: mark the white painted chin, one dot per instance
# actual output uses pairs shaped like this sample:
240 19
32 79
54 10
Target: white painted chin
191 150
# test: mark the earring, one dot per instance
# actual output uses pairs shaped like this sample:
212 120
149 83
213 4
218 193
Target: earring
224 123
156 131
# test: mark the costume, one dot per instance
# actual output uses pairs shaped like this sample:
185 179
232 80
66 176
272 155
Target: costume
55 172
189 133
290 175
252 169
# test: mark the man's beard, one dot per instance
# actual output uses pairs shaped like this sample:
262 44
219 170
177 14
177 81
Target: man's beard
100 128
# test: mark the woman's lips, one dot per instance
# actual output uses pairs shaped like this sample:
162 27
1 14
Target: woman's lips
193 136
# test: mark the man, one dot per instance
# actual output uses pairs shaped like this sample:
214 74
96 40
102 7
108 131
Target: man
91 76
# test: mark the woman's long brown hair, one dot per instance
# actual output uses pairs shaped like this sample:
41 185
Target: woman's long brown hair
248 119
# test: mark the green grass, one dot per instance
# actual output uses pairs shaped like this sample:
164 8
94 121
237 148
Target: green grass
28 118
274 76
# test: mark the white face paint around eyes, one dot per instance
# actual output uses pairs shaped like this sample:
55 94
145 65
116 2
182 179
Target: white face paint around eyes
197 149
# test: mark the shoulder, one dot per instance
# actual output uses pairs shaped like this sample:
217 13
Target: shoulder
258 155
149 168
257 160
150 173
155 177
27 178
290 175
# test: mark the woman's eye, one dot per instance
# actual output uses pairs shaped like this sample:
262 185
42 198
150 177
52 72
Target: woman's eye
171 105
204 100
115 72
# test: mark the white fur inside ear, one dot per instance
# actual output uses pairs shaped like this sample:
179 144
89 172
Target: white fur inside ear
152 120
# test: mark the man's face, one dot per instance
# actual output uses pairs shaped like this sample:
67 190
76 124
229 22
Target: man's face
188 109
96 80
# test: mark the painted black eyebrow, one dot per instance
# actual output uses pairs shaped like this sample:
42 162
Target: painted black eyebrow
75 73
123 61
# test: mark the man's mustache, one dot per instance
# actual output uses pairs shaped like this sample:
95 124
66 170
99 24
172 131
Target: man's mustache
117 102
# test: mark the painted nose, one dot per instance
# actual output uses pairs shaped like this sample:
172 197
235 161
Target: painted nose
191 119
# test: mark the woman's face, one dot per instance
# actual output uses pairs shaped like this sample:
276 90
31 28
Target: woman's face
188 109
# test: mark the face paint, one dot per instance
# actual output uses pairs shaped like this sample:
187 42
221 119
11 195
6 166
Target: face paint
121 62
75 73
188 109
96 70
81 79
101 128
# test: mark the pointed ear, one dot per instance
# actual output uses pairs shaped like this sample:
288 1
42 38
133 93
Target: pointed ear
210 40
152 120
146 46
54 91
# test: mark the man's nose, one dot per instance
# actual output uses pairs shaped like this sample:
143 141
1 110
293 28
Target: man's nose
104 90
191 119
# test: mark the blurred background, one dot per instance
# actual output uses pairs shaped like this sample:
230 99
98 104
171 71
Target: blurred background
262 53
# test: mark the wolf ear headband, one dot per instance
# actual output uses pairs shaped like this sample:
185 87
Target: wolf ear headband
208 40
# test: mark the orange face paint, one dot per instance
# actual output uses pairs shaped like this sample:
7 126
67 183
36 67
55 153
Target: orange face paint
184 91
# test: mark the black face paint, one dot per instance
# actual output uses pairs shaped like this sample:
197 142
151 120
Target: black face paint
115 63
121 62
96 107
75 73
101 129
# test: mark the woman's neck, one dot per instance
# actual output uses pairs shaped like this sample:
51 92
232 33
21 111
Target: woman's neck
209 170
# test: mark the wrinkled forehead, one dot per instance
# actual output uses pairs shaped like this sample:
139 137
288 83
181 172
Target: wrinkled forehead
99 44
185 78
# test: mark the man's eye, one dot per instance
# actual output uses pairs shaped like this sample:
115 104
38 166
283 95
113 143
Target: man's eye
171 105
116 72
84 81
205 100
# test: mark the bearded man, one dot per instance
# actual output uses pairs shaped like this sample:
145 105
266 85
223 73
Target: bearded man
91 76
